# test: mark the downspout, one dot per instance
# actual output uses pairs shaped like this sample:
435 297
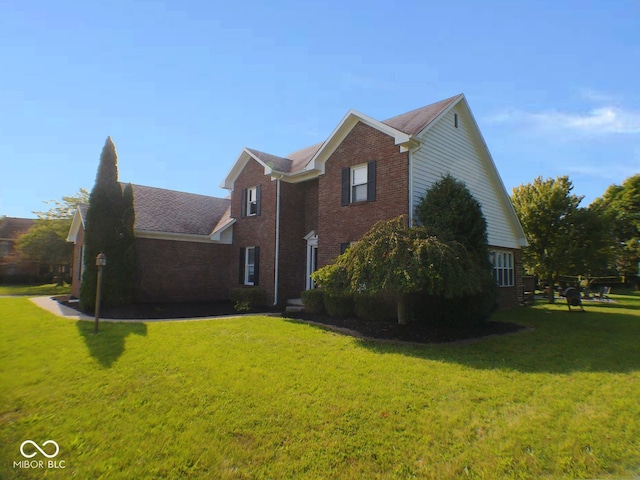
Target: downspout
410 156
277 253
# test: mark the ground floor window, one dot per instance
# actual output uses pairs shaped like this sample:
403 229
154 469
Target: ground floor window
249 262
502 262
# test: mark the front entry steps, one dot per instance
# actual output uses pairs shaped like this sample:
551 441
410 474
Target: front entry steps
294 305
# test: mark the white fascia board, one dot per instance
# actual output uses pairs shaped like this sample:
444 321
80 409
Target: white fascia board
76 223
239 164
178 237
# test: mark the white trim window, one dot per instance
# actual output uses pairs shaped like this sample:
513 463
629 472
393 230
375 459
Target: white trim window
252 201
503 270
250 205
248 266
359 183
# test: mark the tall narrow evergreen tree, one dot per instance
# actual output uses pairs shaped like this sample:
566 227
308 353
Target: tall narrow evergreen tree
109 229
451 211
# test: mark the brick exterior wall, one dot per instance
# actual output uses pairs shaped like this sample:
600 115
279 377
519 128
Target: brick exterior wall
511 297
254 231
293 246
339 224
310 206
171 271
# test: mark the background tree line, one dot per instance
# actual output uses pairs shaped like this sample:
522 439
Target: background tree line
567 239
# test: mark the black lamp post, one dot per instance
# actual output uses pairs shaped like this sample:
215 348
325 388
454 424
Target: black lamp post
101 261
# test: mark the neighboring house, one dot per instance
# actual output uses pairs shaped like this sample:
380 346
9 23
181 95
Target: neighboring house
11 262
290 215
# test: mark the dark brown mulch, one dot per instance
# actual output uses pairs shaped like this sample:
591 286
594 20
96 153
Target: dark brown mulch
156 311
415 332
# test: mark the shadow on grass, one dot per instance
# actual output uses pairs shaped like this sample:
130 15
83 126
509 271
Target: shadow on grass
108 345
556 342
560 343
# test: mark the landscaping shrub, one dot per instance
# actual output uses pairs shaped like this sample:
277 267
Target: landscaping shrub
251 297
375 308
338 305
458 312
313 301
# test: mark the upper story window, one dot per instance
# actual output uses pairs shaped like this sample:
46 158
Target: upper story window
502 262
250 202
359 183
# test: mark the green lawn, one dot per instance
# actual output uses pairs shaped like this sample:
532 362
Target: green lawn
34 290
263 397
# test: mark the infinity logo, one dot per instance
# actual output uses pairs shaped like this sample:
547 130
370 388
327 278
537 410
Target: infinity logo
31 455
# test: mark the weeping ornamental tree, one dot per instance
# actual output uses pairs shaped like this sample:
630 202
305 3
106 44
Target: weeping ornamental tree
441 265
393 258
109 229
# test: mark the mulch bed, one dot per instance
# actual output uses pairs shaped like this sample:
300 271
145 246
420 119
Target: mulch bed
416 332
158 311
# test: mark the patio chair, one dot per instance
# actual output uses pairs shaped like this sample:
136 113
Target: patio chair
604 293
573 298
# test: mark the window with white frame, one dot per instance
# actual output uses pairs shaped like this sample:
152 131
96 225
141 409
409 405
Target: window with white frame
359 183
252 201
250 266
503 270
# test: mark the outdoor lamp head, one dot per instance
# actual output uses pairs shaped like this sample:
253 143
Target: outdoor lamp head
101 260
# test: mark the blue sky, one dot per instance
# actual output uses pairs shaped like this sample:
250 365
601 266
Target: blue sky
183 86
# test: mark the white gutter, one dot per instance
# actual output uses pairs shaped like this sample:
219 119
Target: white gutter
277 255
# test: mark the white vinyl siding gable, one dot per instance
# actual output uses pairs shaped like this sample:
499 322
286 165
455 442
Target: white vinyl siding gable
459 151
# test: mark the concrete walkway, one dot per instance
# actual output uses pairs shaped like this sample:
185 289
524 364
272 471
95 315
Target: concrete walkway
59 310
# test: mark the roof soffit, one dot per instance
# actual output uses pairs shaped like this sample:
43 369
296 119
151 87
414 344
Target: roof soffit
76 223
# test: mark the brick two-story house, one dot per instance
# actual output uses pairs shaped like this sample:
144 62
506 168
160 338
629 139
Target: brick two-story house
289 215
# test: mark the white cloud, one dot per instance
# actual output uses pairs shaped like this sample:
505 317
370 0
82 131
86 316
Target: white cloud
598 96
603 120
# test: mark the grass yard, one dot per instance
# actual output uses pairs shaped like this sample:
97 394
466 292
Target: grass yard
34 290
264 397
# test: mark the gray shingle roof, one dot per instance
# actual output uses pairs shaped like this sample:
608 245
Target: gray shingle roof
278 164
411 123
168 211
415 121
12 227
